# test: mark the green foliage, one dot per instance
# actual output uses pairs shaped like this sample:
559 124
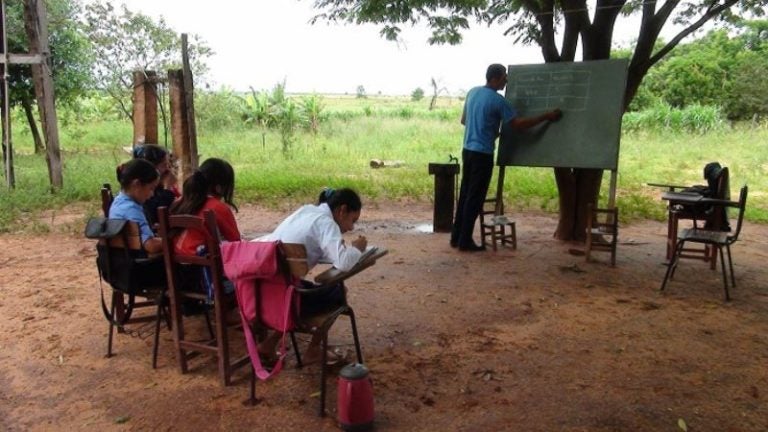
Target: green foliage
124 41
718 69
274 109
360 92
663 117
417 94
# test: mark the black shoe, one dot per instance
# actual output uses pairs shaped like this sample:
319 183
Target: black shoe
471 248
454 244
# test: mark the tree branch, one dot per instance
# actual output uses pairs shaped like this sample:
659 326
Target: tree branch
713 11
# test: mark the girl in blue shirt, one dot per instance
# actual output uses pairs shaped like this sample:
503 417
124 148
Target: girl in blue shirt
138 180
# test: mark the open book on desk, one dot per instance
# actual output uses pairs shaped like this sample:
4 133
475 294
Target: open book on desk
334 275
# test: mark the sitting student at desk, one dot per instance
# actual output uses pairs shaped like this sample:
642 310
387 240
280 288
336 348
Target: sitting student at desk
319 228
138 180
210 187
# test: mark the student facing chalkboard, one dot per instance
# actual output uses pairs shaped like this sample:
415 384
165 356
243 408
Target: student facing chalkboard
485 110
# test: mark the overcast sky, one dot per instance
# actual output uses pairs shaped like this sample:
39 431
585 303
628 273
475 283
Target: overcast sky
262 42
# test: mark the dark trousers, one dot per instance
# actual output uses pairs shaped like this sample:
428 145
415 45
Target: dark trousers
476 176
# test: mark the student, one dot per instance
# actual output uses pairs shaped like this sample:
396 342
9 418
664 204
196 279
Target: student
138 180
319 228
210 187
166 191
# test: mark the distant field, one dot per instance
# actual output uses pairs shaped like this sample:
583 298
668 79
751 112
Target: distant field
389 128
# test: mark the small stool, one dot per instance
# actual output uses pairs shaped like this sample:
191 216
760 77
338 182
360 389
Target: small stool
496 229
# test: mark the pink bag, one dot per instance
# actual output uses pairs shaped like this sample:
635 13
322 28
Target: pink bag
263 293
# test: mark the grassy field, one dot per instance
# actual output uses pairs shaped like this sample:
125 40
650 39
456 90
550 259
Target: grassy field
358 130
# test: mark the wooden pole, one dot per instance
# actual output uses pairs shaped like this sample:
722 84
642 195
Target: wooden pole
144 107
179 126
10 178
189 100
36 25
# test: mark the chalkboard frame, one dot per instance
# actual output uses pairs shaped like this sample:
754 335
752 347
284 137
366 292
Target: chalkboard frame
591 96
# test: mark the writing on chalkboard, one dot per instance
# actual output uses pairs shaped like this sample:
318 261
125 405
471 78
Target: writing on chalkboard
539 92
590 94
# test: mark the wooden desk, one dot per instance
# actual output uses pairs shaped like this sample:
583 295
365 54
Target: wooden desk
334 275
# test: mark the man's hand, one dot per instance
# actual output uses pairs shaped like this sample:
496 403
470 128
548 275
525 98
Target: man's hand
554 115
360 243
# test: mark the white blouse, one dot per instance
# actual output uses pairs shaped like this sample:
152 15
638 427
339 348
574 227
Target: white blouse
314 227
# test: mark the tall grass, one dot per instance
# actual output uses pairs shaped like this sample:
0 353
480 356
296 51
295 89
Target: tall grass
340 151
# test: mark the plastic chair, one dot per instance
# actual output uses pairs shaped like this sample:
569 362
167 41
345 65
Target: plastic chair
602 231
717 239
184 274
151 287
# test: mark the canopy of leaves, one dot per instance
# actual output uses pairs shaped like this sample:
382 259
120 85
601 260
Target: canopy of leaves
718 69
588 24
124 41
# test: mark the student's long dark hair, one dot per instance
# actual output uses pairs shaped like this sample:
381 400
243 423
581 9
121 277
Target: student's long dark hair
136 169
214 177
338 197
150 152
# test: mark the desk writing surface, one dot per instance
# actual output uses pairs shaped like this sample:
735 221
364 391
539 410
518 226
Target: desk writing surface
334 275
682 197
591 96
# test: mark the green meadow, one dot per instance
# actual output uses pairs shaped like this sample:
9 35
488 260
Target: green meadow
353 131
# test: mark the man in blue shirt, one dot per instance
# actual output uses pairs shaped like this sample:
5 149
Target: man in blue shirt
485 110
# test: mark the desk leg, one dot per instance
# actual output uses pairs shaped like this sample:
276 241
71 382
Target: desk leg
671 235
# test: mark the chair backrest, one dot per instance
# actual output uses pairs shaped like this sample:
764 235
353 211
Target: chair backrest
605 220
296 258
106 198
124 263
171 227
740 218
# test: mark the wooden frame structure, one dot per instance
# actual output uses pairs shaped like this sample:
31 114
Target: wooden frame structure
181 96
36 25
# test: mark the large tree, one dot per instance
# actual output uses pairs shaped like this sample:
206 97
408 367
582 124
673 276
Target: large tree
124 41
559 28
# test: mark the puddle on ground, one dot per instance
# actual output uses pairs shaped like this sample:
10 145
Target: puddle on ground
394 227
385 227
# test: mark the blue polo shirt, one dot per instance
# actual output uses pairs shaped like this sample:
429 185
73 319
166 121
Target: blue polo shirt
484 112
124 207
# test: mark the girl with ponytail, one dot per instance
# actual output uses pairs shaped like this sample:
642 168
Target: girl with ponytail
210 187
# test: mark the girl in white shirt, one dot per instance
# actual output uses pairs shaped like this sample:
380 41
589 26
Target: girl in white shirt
319 228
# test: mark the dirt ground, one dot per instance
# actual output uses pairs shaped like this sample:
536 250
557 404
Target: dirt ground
535 339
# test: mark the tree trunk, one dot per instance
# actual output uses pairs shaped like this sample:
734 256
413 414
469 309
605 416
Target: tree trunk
577 187
27 105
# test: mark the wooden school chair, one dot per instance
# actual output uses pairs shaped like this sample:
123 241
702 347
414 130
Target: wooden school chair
148 283
602 231
186 275
293 262
494 224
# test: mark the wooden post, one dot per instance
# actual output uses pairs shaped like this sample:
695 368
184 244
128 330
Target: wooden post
36 25
179 126
10 177
144 107
189 99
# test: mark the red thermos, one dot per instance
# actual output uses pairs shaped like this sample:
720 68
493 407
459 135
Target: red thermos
355 398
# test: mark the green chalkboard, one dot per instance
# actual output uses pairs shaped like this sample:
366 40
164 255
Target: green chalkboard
591 96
